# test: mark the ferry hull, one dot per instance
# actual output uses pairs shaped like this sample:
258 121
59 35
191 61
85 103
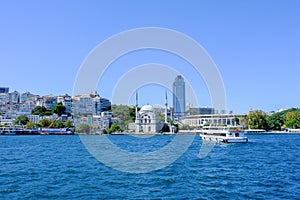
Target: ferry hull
224 139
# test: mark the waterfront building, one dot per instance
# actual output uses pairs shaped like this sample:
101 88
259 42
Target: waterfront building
104 120
214 119
146 120
202 111
101 123
82 119
35 118
6 121
179 96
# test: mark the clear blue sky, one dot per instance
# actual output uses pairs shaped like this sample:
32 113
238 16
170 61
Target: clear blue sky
255 44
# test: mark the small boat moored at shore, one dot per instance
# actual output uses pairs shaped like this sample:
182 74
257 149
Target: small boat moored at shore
225 134
255 131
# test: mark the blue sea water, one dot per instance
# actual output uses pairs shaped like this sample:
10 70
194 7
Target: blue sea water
60 167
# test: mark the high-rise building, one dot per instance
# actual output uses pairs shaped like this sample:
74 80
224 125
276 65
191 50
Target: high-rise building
179 95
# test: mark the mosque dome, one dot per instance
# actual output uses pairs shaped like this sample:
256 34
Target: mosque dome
147 108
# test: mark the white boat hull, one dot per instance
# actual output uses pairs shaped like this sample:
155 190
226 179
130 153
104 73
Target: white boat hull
224 139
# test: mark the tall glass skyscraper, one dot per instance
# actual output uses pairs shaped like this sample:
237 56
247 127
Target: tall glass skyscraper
179 95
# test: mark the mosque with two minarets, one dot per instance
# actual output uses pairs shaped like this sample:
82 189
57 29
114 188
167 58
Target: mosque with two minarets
146 120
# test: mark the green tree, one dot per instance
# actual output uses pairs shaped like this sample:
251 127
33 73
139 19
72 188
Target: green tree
59 109
165 128
39 110
132 113
104 131
236 121
292 118
114 128
30 125
257 120
58 124
173 124
161 116
44 123
125 113
48 113
291 123
68 124
83 128
22 120
276 121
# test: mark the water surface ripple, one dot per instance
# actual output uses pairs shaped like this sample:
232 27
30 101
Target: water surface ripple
48 167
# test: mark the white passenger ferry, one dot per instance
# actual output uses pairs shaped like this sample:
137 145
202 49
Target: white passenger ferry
226 134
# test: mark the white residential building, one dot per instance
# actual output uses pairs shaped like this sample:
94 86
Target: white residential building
26 108
82 105
14 97
66 100
89 104
26 96
50 101
101 122
35 118
6 121
39 101
4 98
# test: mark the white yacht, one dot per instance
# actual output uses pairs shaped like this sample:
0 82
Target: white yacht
226 134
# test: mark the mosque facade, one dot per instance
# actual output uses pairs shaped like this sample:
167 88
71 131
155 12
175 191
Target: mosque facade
146 120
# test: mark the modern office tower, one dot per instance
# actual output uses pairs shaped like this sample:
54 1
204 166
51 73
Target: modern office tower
179 95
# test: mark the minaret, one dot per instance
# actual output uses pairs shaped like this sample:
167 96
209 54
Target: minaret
137 120
136 106
166 108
